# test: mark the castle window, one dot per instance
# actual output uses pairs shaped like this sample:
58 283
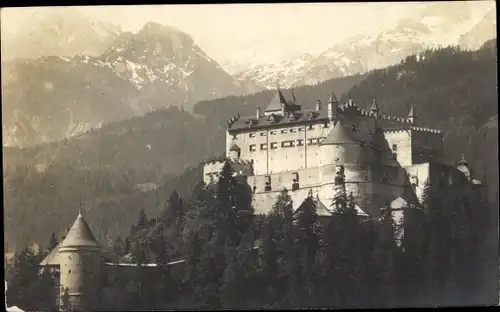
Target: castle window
283 131
267 184
273 132
313 141
235 136
301 129
254 188
300 142
322 139
325 125
252 135
274 145
293 130
295 177
394 148
287 144
263 133
252 147
263 147
310 127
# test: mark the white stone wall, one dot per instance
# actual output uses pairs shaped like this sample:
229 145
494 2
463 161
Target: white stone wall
265 147
402 141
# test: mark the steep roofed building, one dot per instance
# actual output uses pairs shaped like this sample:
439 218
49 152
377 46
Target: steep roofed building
386 159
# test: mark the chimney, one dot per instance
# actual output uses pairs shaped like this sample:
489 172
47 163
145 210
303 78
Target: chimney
283 109
318 104
258 112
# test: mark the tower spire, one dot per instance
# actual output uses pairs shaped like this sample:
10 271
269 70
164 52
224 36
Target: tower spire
333 99
374 108
411 115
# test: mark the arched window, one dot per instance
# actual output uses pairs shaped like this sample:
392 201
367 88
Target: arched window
394 148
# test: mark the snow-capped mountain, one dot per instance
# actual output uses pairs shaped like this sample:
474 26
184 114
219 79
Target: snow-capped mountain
435 25
53 97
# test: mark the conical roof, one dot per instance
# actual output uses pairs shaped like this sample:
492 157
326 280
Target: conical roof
374 106
333 98
80 235
275 103
412 112
234 147
338 135
462 161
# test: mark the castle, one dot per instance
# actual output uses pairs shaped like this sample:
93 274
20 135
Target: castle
386 159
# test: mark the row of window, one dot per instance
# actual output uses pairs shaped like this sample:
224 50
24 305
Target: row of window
285 144
284 131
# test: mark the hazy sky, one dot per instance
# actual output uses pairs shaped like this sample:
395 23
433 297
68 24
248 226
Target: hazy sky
230 31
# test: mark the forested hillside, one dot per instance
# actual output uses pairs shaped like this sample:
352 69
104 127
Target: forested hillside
451 89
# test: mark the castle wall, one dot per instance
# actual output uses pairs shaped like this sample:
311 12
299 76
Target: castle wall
418 175
280 149
400 142
80 273
371 185
426 147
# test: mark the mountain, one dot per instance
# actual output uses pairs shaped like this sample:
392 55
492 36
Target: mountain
54 97
435 25
452 89
57 33
481 32
102 170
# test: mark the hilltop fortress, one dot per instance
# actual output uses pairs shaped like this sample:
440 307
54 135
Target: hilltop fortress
386 159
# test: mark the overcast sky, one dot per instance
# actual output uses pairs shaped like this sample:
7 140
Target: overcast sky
227 31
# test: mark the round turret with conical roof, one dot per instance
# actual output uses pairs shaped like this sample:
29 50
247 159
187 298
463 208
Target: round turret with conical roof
463 166
339 147
80 272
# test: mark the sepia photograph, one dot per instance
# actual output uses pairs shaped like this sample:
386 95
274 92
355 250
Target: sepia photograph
272 156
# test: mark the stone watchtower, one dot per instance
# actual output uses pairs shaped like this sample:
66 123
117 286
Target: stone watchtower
80 257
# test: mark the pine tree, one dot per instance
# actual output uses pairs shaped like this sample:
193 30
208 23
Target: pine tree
386 255
268 264
23 281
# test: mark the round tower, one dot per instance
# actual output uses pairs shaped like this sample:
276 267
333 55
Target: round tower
80 268
234 151
339 147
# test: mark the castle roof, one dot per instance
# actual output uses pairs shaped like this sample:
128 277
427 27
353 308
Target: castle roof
338 135
412 112
276 101
52 257
234 147
80 235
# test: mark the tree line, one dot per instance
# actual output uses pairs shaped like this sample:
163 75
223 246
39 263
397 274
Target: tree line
439 255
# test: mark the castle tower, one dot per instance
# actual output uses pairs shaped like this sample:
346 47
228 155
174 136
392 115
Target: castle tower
234 151
463 166
80 268
331 103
